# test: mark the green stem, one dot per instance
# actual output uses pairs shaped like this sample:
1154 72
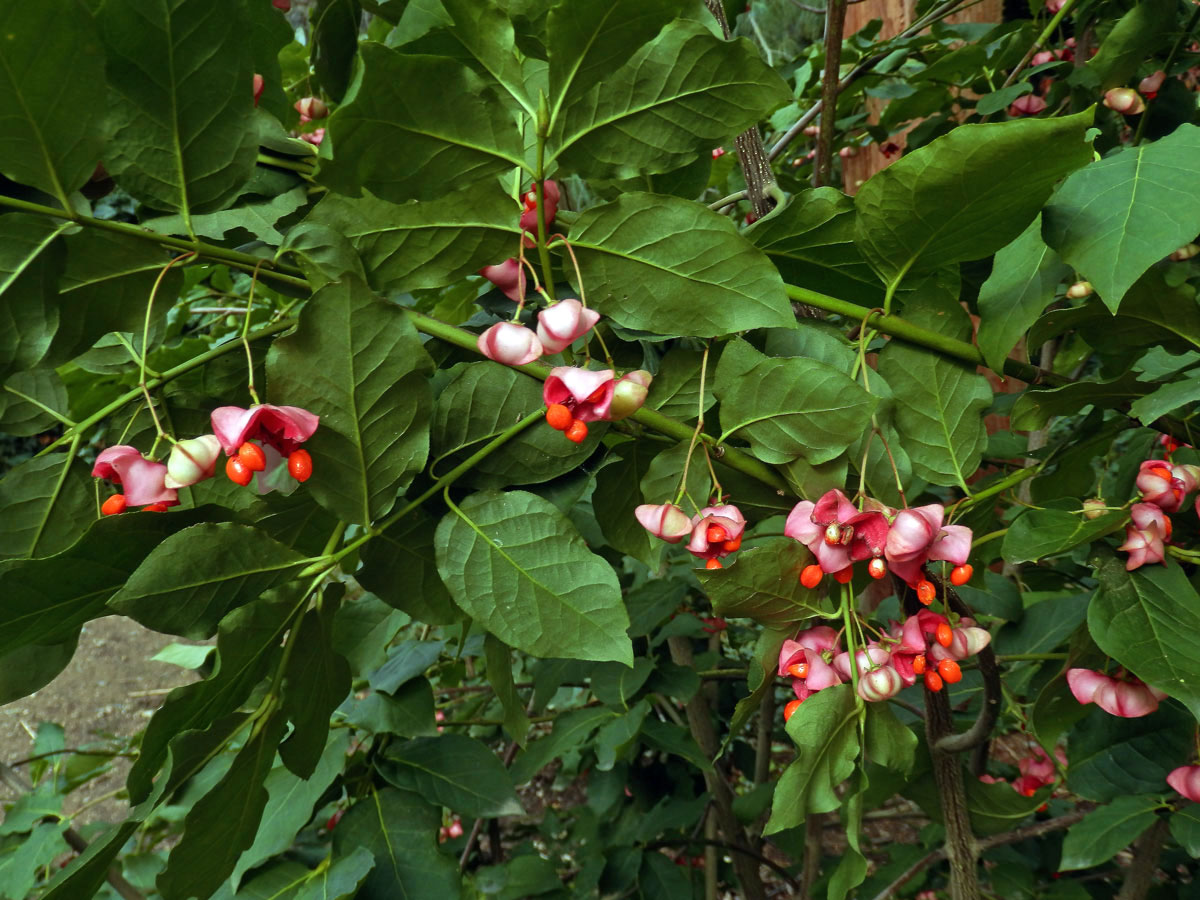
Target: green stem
1002 485
733 458
280 272
1039 43
304 168
169 375
540 188
914 334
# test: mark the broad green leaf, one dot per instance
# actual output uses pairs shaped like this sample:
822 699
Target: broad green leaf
764 584
51 138
256 216
27 400
399 566
1024 278
356 361
400 829
825 730
224 821
672 266
1038 533
957 198
516 566
587 42
442 152
1185 828
1044 626
852 867
500 677
939 402
661 876
888 742
478 33
406 661
615 684
42 607
789 408
616 496
315 682
335 25
23 863
296 521
997 807
1119 216
1137 34
194 577
30 262
47 503
482 400
678 96
341 879
269 34
662 478
248 642
290 802
1114 757
422 245
675 390
760 678
811 240
105 287
571 730
408 713
616 739
454 771
1107 830
30 668
1166 399
1149 621
1035 408
674 739
182 111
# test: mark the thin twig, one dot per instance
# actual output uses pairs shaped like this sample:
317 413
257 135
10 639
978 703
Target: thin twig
676 842
835 25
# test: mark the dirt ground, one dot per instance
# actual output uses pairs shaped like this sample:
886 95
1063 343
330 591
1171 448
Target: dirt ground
111 688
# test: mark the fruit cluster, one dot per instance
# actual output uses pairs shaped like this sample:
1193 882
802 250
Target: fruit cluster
259 439
576 396
713 533
1163 486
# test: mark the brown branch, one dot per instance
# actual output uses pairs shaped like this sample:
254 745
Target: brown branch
979 733
700 724
676 842
835 25
1139 877
74 839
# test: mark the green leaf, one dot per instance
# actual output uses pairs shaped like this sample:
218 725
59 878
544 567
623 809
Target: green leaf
315 682
422 245
406 661
764 585
678 96
615 684
966 194
1185 828
356 361
1024 278
516 566
1149 621
1137 33
789 408
441 152
588 42
571 730
1119 216
335 26
224 821
258 217
500 677
671 266
1044 627
675 390
1038 533
1114 757
662 477
290 802
183 139
30 668
939 402
248 642
1166 399
1035 408
660 876
408 713
27 860
482 400
825 730
400 567
760 679
616 739
888 743
53 137
399 828
194 577
30 261
42 607
852 867
811 240
47 503
341 879
27 400
454 771
616 496
1107 830
674 739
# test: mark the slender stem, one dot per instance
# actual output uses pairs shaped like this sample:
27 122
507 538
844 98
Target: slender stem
171 374
59 417
245 342
835 23
735 848
146 342
687 462
1039 43
1004 484
539 185
304 168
